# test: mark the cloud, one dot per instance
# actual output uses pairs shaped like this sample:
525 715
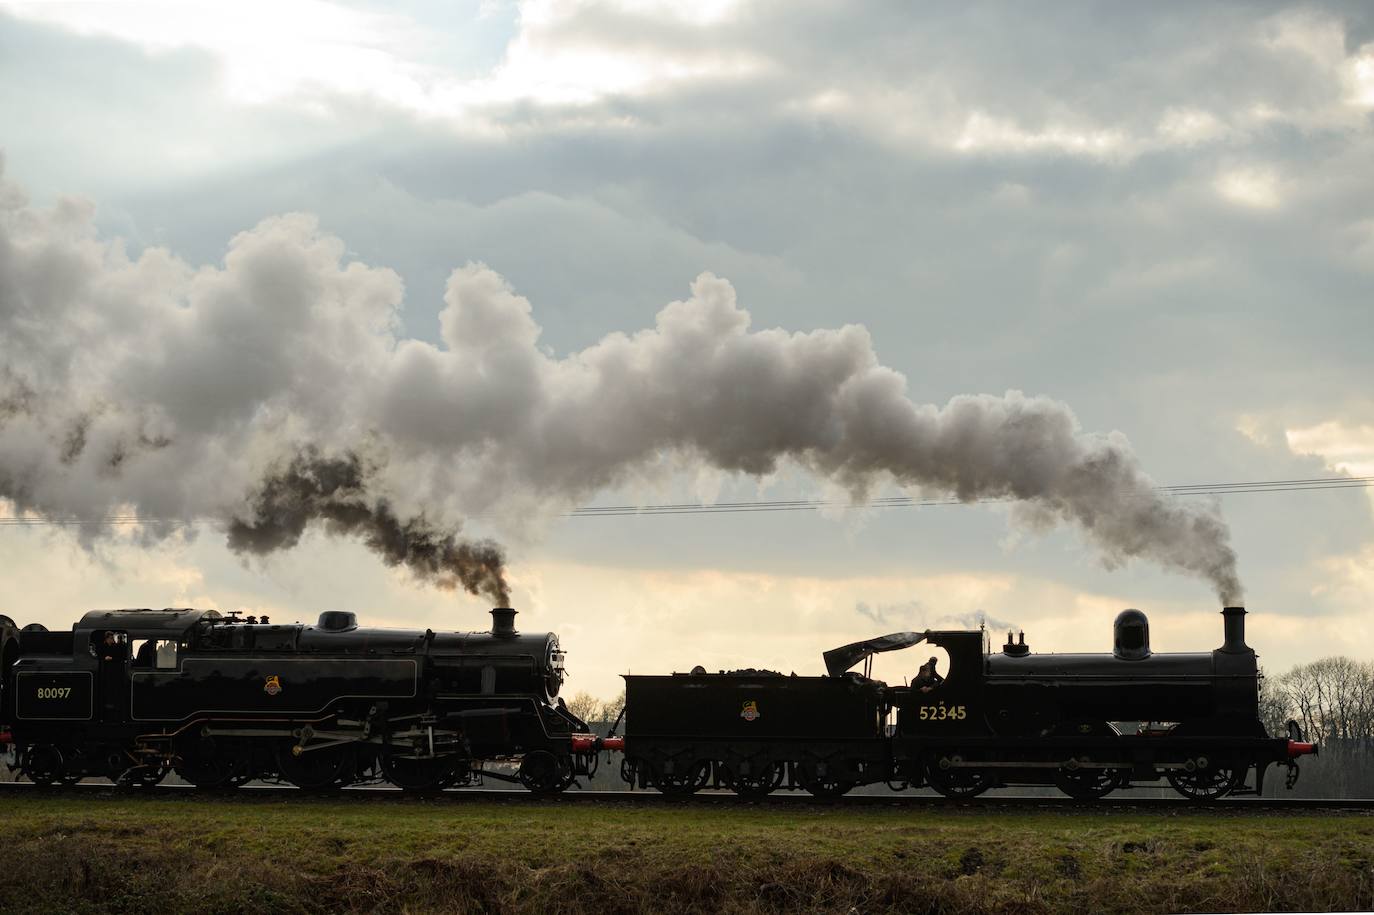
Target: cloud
949 80
1252 187
824 182
244 394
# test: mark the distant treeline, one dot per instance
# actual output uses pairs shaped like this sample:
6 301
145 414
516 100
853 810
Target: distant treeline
1332 700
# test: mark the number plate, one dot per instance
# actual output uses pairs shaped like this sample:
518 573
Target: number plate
63 696
942 712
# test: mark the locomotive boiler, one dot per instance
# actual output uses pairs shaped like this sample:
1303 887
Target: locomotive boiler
222 699
1086 723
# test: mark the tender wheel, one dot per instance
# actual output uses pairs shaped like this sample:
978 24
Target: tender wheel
325 769
1204 783
1087 784
685 783
420 775
957 782
544 773
759 782
825 786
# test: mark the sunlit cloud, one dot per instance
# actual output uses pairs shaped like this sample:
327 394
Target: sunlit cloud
1191 126
1348 449
985 132
268 50
1257 188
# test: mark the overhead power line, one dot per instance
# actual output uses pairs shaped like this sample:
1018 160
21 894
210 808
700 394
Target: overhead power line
775 505
793 505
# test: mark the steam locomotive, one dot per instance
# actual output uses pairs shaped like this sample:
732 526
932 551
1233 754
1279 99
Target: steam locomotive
220 699
1086 723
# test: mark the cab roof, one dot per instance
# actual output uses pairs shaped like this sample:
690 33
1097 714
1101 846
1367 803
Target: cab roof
143 620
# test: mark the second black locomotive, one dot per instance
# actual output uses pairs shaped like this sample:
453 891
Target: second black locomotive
1086 723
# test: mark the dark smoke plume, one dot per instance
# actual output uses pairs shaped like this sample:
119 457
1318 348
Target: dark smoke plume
333 492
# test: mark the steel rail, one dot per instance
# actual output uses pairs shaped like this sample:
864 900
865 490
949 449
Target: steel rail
797 799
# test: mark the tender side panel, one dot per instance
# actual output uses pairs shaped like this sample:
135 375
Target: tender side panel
750 708
67 696
267 686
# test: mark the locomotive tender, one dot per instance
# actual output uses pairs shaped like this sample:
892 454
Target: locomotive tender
133 694
1086 723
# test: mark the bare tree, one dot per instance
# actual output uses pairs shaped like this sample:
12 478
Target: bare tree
1274 708
585 706
1333 699
610 711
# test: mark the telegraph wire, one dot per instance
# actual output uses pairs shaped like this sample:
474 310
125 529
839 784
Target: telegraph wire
1312 484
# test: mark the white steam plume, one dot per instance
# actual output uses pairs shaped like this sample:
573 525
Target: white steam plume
207 393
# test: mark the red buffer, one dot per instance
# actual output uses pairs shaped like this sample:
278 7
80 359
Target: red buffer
1296 748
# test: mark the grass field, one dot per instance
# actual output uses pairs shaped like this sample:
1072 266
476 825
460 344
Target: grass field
300 854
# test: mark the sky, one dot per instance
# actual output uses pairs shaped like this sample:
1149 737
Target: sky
1160 218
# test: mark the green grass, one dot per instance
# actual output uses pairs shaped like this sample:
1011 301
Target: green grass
301 854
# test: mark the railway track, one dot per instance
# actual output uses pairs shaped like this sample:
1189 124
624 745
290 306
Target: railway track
385 794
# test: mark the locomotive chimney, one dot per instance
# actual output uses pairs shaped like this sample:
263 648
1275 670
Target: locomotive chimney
1235 631
502 622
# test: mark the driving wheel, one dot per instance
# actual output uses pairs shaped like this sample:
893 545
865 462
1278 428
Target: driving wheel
957 781
1205 783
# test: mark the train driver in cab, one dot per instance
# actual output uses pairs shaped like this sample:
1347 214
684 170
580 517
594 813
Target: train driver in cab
109 648
927 678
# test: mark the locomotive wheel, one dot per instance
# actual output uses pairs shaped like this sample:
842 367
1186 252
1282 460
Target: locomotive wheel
1088 784
207 772
544 773
140 776
757 783
419 775
45 764
325 769
958 782
695 778
1204 784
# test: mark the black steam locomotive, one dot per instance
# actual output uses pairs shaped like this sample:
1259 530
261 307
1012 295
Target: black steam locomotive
133 694
221 700
1086 723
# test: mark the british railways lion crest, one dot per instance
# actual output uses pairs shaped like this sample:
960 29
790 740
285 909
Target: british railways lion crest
751 710
272 686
